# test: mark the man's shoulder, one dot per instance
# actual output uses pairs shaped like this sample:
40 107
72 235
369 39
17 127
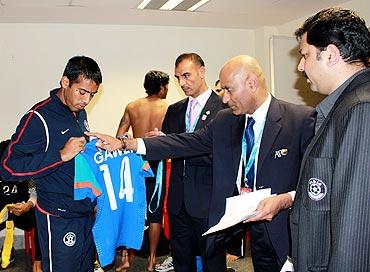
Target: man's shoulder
215 98
145 102
179 104
44 104
293 108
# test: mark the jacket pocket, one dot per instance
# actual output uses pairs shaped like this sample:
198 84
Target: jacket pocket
316 192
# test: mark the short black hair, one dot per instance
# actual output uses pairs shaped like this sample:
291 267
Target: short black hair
194 57
82 66
343 28
154 80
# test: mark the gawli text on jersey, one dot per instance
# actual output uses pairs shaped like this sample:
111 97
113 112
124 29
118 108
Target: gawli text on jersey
102 156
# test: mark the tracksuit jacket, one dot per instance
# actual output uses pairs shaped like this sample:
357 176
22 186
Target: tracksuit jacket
34 154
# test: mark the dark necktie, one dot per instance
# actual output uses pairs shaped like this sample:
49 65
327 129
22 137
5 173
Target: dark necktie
249 138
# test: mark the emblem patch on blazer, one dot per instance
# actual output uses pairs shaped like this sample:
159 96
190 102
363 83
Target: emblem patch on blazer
281 153
316 189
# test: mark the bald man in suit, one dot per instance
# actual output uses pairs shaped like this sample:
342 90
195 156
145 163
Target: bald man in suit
281 133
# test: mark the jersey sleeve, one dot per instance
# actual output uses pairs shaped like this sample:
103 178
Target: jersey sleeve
85 182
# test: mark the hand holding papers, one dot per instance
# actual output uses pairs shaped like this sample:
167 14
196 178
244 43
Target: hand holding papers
239 208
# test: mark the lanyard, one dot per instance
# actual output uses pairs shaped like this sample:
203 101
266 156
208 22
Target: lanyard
158 187
253 154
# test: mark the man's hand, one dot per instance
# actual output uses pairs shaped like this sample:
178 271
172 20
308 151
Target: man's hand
20 208
111 143
270 207
72 147
106 141
130 144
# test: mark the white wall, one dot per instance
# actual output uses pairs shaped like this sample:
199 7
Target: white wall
360 6
33 56
262 37
296 90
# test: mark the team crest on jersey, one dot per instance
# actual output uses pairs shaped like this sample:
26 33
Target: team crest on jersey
86 124
317 189
69 239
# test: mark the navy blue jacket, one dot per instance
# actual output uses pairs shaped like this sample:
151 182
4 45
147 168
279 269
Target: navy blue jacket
34 154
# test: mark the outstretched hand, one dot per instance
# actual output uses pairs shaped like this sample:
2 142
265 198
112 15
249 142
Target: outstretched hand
111 143
106 141
270 207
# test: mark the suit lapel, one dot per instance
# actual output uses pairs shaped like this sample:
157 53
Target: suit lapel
209 110
182 113
236 138
270 132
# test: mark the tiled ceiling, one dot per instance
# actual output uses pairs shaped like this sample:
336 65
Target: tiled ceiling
216 13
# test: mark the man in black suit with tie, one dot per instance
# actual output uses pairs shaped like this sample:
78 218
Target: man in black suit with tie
191 179
281 133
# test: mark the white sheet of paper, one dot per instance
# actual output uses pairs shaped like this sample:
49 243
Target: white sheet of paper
288 266
240 208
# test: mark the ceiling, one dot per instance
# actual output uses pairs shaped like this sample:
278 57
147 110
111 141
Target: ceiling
248 14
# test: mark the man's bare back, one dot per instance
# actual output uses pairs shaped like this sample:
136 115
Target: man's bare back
143 115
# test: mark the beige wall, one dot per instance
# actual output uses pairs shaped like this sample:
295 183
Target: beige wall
33 56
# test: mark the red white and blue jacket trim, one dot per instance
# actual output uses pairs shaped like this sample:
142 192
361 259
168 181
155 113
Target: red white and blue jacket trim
34 154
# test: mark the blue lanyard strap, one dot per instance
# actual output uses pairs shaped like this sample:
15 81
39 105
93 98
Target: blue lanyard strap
158 187
252 157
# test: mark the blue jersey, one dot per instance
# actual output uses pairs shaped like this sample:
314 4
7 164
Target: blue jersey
116 179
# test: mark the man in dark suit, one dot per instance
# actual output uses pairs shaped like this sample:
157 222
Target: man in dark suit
330 216
281 133
191 179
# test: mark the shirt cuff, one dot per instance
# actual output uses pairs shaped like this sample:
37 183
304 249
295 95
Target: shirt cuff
292 194
33 199
141 149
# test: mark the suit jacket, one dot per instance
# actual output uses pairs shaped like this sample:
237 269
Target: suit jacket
330 217
287 126
190 186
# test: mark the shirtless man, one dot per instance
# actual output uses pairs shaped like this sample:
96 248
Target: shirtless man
144 115
147 113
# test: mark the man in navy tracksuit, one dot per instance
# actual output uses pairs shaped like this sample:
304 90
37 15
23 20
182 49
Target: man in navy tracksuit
47 139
